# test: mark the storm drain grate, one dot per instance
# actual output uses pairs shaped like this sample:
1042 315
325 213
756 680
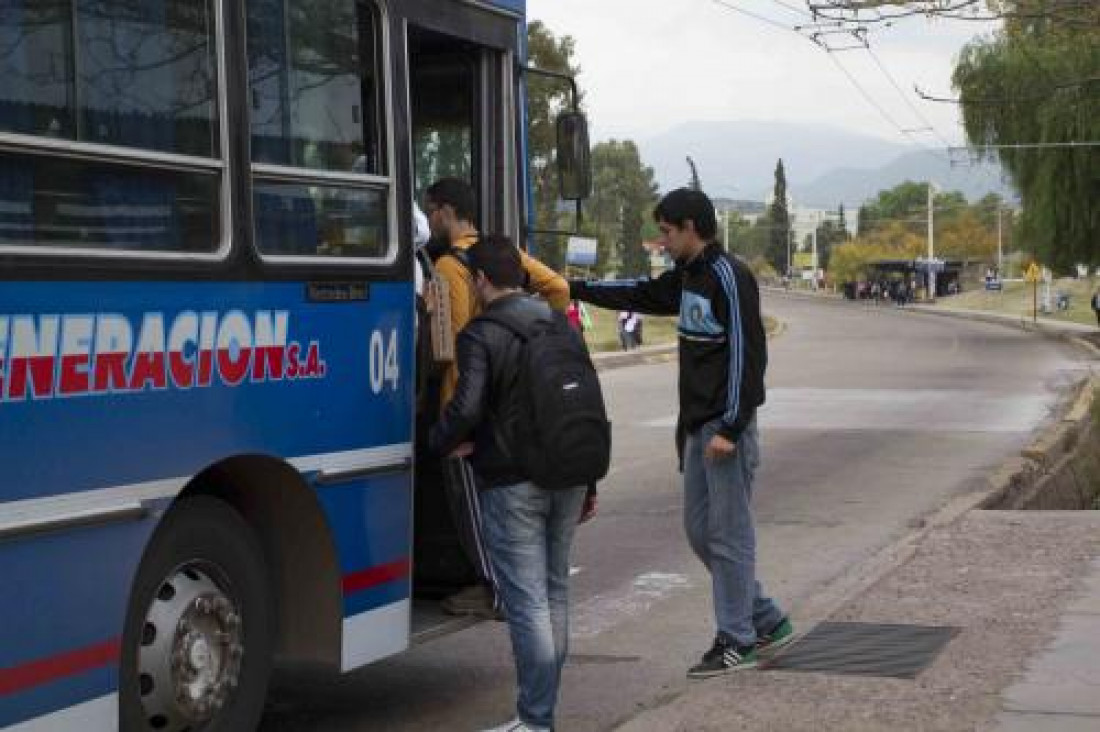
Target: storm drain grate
865 649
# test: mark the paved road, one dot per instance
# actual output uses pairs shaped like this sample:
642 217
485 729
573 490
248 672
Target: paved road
874 418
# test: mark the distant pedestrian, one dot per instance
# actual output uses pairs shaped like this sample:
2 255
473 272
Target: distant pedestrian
1096 305
628 329
723 354
573 312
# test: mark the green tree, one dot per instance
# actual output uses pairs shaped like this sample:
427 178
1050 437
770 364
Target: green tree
741 240
694 183
1037 80
863 220
623 196
830 234
779 221
546 98
906 202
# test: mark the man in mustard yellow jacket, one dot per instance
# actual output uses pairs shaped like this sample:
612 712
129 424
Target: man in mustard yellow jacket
451 211
451 208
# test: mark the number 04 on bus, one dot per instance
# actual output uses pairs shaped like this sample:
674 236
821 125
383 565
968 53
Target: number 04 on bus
208 380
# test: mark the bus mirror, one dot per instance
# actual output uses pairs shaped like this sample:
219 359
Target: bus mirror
574 158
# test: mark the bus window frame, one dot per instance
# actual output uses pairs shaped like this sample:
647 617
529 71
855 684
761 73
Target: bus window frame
383 62
139 158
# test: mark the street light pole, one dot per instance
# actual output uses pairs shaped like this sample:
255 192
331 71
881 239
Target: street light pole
999 250
813 260
931 244
789 234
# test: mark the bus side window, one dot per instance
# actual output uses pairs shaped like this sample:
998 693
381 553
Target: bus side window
314 104
16 207
143 74
132 76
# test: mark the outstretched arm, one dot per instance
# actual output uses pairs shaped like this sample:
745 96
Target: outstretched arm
546 283
653 297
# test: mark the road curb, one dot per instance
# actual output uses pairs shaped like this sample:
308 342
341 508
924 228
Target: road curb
1060 465
607 360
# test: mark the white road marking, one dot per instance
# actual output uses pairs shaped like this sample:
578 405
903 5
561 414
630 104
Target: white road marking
920 410
605 611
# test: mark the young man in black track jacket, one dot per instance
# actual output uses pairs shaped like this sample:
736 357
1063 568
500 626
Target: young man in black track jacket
723 355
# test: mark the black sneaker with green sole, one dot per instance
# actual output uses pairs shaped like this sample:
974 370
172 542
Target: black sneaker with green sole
723 657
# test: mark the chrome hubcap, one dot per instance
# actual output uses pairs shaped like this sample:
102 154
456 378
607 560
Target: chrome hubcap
189 661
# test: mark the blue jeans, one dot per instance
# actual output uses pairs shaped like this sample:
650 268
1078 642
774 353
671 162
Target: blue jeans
529 532
718 522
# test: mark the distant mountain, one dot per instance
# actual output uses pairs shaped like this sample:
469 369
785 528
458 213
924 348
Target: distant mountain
737 159
825 165
852 185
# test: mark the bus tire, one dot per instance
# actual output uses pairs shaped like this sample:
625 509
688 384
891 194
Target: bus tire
197 645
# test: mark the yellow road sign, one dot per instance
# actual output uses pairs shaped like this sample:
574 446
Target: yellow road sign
1033 274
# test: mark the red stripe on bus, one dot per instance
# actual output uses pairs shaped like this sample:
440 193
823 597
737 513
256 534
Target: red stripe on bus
43 671
374 576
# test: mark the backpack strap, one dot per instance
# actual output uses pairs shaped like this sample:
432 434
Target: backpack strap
502 440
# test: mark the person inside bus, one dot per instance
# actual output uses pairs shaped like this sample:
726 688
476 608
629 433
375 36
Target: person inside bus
451 206
529 529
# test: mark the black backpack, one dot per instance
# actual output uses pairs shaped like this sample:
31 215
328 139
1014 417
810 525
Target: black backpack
555 426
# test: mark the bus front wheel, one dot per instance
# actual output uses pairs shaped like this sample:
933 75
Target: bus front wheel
197 644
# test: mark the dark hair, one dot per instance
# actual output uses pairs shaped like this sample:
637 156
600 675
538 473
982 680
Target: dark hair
498 258
685 204
455 193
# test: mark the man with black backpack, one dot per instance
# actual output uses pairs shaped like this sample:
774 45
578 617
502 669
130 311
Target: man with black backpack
451 208
529 413
723 355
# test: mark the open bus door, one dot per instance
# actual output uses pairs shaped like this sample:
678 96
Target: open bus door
460 65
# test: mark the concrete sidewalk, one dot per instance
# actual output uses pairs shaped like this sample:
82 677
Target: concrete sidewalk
1023 588
1060 690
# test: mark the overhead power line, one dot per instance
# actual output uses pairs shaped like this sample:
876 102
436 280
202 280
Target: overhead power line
1028 146
761 18
1079 13
878 107
815 37
905 97
792 8
994 102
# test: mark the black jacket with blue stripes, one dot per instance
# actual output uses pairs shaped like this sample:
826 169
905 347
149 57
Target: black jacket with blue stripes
723 348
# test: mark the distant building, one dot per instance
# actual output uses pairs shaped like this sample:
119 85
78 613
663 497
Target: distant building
750 211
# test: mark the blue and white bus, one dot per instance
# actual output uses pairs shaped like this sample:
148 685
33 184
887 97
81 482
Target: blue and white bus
207 392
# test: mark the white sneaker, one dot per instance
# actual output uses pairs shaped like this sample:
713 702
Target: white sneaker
517 725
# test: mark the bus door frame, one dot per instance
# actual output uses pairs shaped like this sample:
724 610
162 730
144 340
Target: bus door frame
498 33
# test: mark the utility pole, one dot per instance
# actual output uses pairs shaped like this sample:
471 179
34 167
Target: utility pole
790 236
813 257
999 250
931 243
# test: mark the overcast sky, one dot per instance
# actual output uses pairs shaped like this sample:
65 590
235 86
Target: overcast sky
647 65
